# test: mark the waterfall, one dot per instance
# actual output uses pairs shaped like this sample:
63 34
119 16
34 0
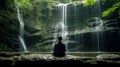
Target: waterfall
61 26
63 22
22 43
84 25
86 38
99 35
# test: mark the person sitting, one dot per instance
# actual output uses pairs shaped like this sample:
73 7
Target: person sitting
59 49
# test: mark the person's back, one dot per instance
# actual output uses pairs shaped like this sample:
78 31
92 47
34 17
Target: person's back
59 50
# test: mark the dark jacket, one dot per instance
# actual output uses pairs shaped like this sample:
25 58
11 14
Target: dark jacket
59 50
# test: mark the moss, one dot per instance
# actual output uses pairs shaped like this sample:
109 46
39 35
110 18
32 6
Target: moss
91 61
4 48
24 4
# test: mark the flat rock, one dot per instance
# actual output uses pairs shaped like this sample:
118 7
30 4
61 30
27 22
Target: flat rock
108 57
44 59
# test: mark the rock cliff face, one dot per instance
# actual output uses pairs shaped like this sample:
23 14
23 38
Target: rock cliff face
82 21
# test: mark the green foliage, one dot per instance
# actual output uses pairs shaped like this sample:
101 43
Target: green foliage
89 2
111 10
91 61
37 19
24 4
119 13
68 1
7 4
103 1
108 11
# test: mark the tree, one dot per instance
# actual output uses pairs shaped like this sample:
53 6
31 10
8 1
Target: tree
114 7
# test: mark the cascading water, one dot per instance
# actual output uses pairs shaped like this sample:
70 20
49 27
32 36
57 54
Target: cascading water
75 11
22 43
98 36
83 24
61 26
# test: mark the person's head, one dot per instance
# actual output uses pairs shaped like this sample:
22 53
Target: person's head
60 38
